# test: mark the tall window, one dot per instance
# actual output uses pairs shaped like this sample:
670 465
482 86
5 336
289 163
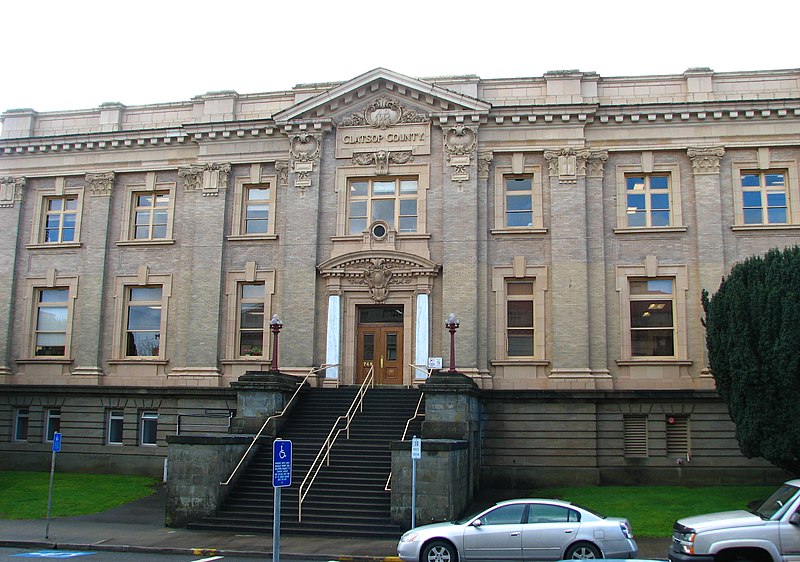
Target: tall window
764 197
652 319
53 423
519 318
519 201
21 419
257 209
391 200
50 334
60 219
115 425
648 200
148 428
143 321
150 215
251 319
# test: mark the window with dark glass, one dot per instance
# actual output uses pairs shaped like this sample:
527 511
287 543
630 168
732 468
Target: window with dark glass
50 333
115 426
393 201
519 318
648 200
143 322
60 218
53 423
150 215
652 317
21 422
519 201
149 428
764 197
251 319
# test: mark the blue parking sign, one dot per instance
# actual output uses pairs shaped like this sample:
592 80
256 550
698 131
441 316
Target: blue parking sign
281 463
56 442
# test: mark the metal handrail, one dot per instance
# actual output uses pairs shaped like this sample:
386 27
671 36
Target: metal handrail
325 451
276 416
416 415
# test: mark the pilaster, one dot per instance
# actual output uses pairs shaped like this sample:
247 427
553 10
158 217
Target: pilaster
709 216
11 193
88 334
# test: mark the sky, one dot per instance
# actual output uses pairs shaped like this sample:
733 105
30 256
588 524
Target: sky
77 54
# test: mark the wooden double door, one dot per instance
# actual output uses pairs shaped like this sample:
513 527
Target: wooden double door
380 344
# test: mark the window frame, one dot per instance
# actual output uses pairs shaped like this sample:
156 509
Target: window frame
242 184
233 283
33 288
649 169
501 276
370 198
765 165
152 185
121 304
52 423
21 413
146 418
346 174
651 269
518 169
114 416
59 190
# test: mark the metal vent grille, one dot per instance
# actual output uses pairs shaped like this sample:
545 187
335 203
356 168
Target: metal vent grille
635 429
678 435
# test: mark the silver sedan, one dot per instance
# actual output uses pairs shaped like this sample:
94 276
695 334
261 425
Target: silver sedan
521 529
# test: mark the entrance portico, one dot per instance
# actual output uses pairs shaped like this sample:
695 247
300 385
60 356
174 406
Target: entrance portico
378 314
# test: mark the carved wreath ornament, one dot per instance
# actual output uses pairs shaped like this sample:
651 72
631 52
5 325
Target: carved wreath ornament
383 113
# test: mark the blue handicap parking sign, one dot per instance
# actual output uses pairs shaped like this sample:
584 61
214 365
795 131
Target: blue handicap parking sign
281 463
56 442
52 554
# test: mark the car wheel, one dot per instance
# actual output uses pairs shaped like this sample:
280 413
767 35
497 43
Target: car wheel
583 550
439 551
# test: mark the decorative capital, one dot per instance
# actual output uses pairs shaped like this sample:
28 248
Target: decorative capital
282 169
705 161
11 190
567 163
484 159
596 163
205 178
100 184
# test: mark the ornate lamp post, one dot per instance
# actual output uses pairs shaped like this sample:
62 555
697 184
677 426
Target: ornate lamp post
452 326
275 325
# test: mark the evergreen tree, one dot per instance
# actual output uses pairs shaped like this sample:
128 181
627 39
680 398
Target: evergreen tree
753 339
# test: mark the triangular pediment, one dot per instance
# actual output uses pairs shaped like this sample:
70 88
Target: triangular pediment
426 97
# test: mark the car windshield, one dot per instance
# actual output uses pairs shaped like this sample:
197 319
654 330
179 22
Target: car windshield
469 517
773 505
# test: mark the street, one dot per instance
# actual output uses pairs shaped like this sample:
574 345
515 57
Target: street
24 554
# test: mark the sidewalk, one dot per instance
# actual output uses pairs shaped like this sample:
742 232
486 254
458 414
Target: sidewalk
139 527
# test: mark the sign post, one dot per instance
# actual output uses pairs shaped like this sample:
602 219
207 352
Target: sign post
281 478
416 453
56 449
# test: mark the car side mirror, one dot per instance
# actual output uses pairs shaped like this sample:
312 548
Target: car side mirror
476 523
795 519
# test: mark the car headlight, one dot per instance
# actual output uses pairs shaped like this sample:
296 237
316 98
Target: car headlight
685 542
409 537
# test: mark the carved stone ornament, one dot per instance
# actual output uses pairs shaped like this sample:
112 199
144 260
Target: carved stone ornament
596 164
100 184
382 159
383 113
484 159
206 178
304 147
377 276
567 163
11 190
460 140
282 169
706 160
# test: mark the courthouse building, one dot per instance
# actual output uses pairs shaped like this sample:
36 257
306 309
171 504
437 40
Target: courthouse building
570 221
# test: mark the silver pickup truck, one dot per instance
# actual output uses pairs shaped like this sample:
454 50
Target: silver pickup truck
769 533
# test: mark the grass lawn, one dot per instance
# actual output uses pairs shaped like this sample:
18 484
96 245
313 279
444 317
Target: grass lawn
23 495
652 510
